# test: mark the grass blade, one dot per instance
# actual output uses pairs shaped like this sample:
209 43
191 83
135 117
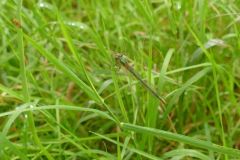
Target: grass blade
147 155
4 142
185 153
182 139
64 69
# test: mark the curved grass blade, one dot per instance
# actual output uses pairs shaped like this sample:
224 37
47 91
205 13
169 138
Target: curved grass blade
64 107
61 66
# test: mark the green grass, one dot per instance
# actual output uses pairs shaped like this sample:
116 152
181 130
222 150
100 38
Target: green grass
62 95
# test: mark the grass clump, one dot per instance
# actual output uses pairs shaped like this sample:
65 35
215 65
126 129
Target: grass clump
63 96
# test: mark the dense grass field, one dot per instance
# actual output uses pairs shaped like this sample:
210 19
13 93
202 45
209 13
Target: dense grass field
63 95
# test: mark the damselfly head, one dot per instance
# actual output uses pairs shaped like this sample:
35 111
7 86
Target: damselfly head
118 56
121 58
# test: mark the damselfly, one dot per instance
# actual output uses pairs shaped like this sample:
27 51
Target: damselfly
124 61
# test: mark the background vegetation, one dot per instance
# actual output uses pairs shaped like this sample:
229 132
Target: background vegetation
63 96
